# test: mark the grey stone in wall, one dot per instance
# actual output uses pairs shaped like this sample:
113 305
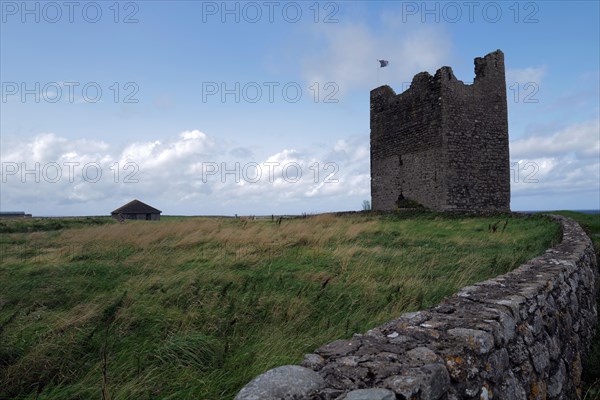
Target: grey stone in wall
443 143
289 382
370 394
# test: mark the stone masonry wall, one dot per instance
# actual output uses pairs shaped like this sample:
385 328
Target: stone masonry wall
443 143
522 335
476 137
403 126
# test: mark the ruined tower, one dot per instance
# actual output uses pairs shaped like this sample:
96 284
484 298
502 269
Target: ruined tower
443 143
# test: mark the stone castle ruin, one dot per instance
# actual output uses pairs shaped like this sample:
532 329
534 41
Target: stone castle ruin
442 143
522 335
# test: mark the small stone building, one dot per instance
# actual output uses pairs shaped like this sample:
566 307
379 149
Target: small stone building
14 214
137 210
442 143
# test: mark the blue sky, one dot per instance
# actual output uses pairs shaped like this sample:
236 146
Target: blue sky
196 98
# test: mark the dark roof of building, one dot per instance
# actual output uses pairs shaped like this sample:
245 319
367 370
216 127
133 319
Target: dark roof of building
12 212
136 207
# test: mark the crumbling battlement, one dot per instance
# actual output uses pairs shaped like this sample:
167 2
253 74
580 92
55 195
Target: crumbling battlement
443 143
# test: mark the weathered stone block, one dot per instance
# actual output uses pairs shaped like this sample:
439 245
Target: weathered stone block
287 382
476 340
496 366
540 357
370 394
430 382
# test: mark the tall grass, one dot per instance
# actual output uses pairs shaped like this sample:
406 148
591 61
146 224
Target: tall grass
196 307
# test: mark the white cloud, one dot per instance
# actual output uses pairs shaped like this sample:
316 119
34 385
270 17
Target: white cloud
582 139
316 174
157 154
562 162
194 173
191 135
190 168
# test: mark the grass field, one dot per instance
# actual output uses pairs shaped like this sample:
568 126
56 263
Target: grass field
193 308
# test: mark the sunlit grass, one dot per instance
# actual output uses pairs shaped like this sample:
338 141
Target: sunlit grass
196 307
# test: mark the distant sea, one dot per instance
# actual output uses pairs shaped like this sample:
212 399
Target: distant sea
581 211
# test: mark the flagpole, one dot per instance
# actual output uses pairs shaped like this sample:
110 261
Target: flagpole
378 74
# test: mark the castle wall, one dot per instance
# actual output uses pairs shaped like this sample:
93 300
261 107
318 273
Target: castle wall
442 143
476 138
406 145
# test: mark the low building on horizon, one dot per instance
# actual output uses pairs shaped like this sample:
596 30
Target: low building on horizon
14 214
137 210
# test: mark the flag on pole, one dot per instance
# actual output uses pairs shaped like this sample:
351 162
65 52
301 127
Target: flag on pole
383 63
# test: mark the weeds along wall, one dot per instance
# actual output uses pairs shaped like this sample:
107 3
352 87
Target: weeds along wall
522 335
443 143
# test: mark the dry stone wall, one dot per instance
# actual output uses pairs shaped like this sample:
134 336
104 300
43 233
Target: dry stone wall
522 335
